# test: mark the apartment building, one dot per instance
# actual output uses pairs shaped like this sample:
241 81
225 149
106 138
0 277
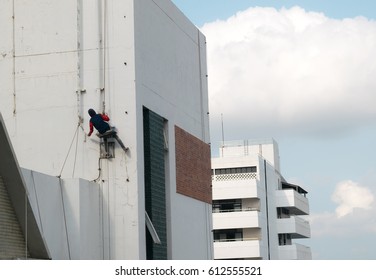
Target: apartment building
256 213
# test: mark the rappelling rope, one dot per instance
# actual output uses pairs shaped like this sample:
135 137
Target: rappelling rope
75 153
70 147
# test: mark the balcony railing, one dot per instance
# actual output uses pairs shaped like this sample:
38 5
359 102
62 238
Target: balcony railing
295 252
238 249
236 239
296 226
242 189
234 177
236 210
292 200
240 219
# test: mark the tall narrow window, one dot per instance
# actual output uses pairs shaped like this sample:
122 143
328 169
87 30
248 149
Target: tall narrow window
155 183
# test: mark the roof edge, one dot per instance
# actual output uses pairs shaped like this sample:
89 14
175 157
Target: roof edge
15 184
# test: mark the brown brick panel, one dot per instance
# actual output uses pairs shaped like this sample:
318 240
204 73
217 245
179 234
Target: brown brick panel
193 166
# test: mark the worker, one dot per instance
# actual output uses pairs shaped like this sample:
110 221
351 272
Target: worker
99 121
105 131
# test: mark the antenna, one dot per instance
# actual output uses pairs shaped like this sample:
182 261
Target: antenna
223 134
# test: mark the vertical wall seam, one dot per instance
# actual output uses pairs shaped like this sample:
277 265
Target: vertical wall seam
37 202
80 83
267 209
14 58
201 90
65 219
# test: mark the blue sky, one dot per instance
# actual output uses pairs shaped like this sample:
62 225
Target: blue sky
200 12
302 72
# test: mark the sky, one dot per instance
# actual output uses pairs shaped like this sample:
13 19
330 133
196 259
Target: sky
303 73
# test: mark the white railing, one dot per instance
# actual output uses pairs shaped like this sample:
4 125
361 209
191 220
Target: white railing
301 220
245 143
290 198
294 225
238 249
295 252
236 210
236 239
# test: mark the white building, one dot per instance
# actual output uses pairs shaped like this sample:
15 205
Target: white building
256 213
144 64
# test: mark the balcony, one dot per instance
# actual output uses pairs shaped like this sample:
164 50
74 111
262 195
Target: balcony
292 200
294 252
237 249
231 190
295 226
236 219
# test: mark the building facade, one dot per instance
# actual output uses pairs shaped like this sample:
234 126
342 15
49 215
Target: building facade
256 213
144 64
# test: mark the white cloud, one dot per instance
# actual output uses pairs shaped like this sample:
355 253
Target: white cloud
290 70
354 214
359 223
350 195
347 231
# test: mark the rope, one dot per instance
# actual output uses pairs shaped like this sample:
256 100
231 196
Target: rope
75 155
66 157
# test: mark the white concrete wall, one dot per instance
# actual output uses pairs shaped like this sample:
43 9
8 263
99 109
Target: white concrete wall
189 237
68 213
84 208
171 81
45 195
245 219
60 58
271 186
44 81
268 149
61 48
229 190
238 249
235 161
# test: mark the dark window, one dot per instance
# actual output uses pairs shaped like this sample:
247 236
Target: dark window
229 205
235 170
228 235
155 185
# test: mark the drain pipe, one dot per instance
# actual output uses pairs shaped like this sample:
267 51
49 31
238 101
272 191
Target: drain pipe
267 209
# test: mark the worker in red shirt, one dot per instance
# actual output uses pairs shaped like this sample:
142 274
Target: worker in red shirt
100 122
